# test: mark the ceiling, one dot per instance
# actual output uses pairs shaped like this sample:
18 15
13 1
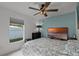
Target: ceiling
22 7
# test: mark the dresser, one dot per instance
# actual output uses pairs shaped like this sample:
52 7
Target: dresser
36 35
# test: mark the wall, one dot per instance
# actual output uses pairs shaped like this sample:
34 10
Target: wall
5 14
66 20
77 21
78 15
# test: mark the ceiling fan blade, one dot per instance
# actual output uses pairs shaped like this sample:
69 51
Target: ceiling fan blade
37 13
47 4
33 8
52 10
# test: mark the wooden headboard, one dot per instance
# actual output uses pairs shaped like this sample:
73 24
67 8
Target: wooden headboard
58 33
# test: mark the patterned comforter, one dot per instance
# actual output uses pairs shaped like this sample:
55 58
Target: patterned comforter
51 47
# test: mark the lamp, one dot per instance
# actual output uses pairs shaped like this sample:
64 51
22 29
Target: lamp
38 26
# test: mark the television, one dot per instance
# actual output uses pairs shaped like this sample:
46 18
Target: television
58 33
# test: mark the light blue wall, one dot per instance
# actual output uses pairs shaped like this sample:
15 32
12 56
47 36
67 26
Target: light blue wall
78 15
67 20
78 10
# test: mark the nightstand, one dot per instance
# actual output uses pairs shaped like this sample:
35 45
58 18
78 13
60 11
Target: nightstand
36 35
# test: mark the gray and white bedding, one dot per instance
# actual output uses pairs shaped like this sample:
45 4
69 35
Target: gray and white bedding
51 47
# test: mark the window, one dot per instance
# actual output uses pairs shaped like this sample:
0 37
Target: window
15 31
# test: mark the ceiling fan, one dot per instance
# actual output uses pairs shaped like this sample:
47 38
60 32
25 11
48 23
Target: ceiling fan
43 9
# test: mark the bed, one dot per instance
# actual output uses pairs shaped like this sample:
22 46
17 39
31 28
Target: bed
51 47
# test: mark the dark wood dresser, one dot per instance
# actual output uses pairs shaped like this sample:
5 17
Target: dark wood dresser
36 35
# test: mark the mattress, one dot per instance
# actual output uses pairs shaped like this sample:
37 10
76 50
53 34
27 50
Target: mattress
51 47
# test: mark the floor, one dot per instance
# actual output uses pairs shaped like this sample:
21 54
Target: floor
16 53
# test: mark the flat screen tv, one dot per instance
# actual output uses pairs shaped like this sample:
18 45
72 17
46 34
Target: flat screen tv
58 33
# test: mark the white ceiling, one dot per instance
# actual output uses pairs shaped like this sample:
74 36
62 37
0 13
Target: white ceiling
22 7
